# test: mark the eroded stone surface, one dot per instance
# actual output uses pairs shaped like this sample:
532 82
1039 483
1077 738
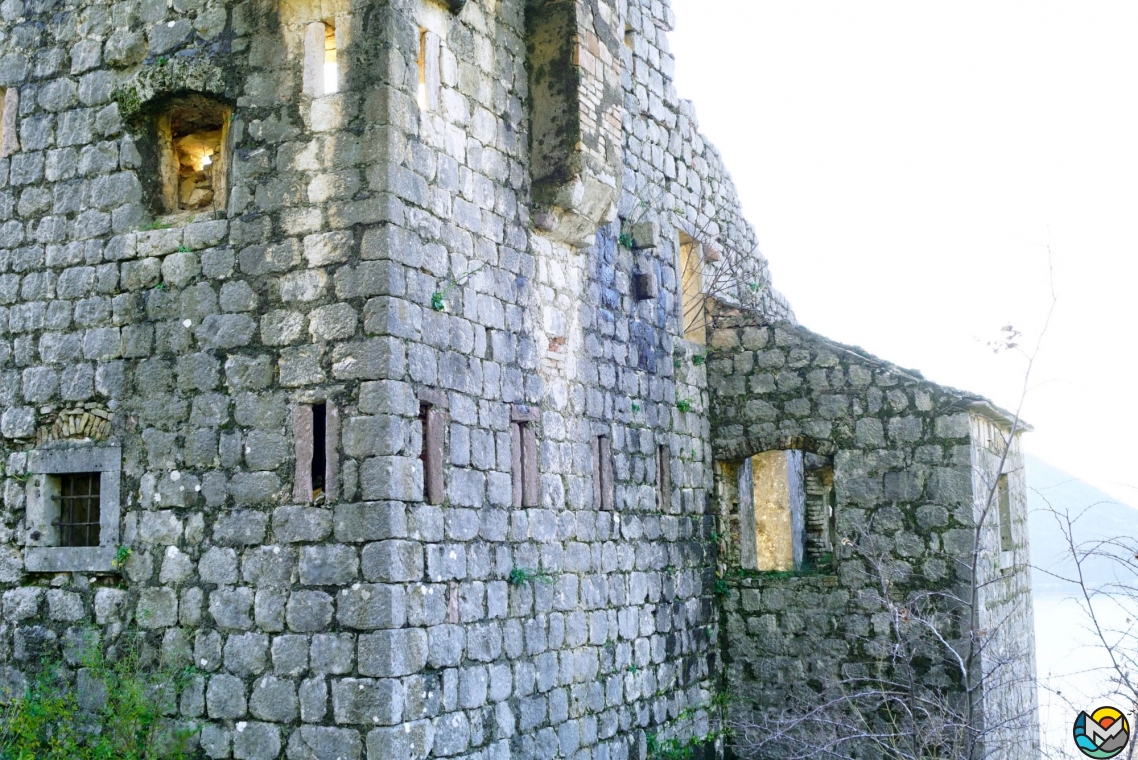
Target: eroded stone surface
371 252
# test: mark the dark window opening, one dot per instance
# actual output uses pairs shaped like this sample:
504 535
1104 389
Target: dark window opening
78 503
319 449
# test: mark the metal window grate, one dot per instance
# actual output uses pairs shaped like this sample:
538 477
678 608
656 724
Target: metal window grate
78 501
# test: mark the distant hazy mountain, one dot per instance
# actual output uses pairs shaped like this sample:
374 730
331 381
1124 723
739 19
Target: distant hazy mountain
1051 488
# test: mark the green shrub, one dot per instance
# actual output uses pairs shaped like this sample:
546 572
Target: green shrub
116 714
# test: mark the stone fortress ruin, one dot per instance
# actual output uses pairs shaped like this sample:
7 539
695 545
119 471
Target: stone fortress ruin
407 369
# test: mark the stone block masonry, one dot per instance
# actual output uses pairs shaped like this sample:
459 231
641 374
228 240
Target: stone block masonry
356 374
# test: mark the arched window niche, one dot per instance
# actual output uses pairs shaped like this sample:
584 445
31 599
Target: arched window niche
186 154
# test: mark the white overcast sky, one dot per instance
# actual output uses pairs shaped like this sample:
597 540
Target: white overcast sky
907 165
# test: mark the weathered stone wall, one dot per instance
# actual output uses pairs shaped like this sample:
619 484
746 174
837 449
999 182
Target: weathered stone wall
907 493
371 624
382 246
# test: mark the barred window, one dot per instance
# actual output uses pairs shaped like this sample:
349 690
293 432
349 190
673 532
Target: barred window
78 504
73 509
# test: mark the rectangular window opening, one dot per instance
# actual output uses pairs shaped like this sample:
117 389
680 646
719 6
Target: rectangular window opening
602 473
331 66
430 76
77 501
664 478
192 136
316 430
779 506
319 449
629 39
524 466
422 93
9 111
693 318
1003 496
433 422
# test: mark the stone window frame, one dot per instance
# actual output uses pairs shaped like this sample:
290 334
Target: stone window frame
523 456
434 417
304 445
9 116
42 554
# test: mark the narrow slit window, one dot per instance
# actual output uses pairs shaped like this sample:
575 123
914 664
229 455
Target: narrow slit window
316 429
602 473
319 449
427 94
422 93
1004 500
331 66
693 320
629 39
664 478
78 505
9 110
523 453
433 421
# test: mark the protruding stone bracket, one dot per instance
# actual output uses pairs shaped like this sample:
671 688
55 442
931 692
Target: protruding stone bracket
573 50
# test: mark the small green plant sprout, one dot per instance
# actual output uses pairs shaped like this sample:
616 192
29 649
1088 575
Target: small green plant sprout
721 587
699 360
754 286
520 575
183 249
677 362
635 408
626 240
438 298
160 286
633 668
122 554
684 405
156 225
